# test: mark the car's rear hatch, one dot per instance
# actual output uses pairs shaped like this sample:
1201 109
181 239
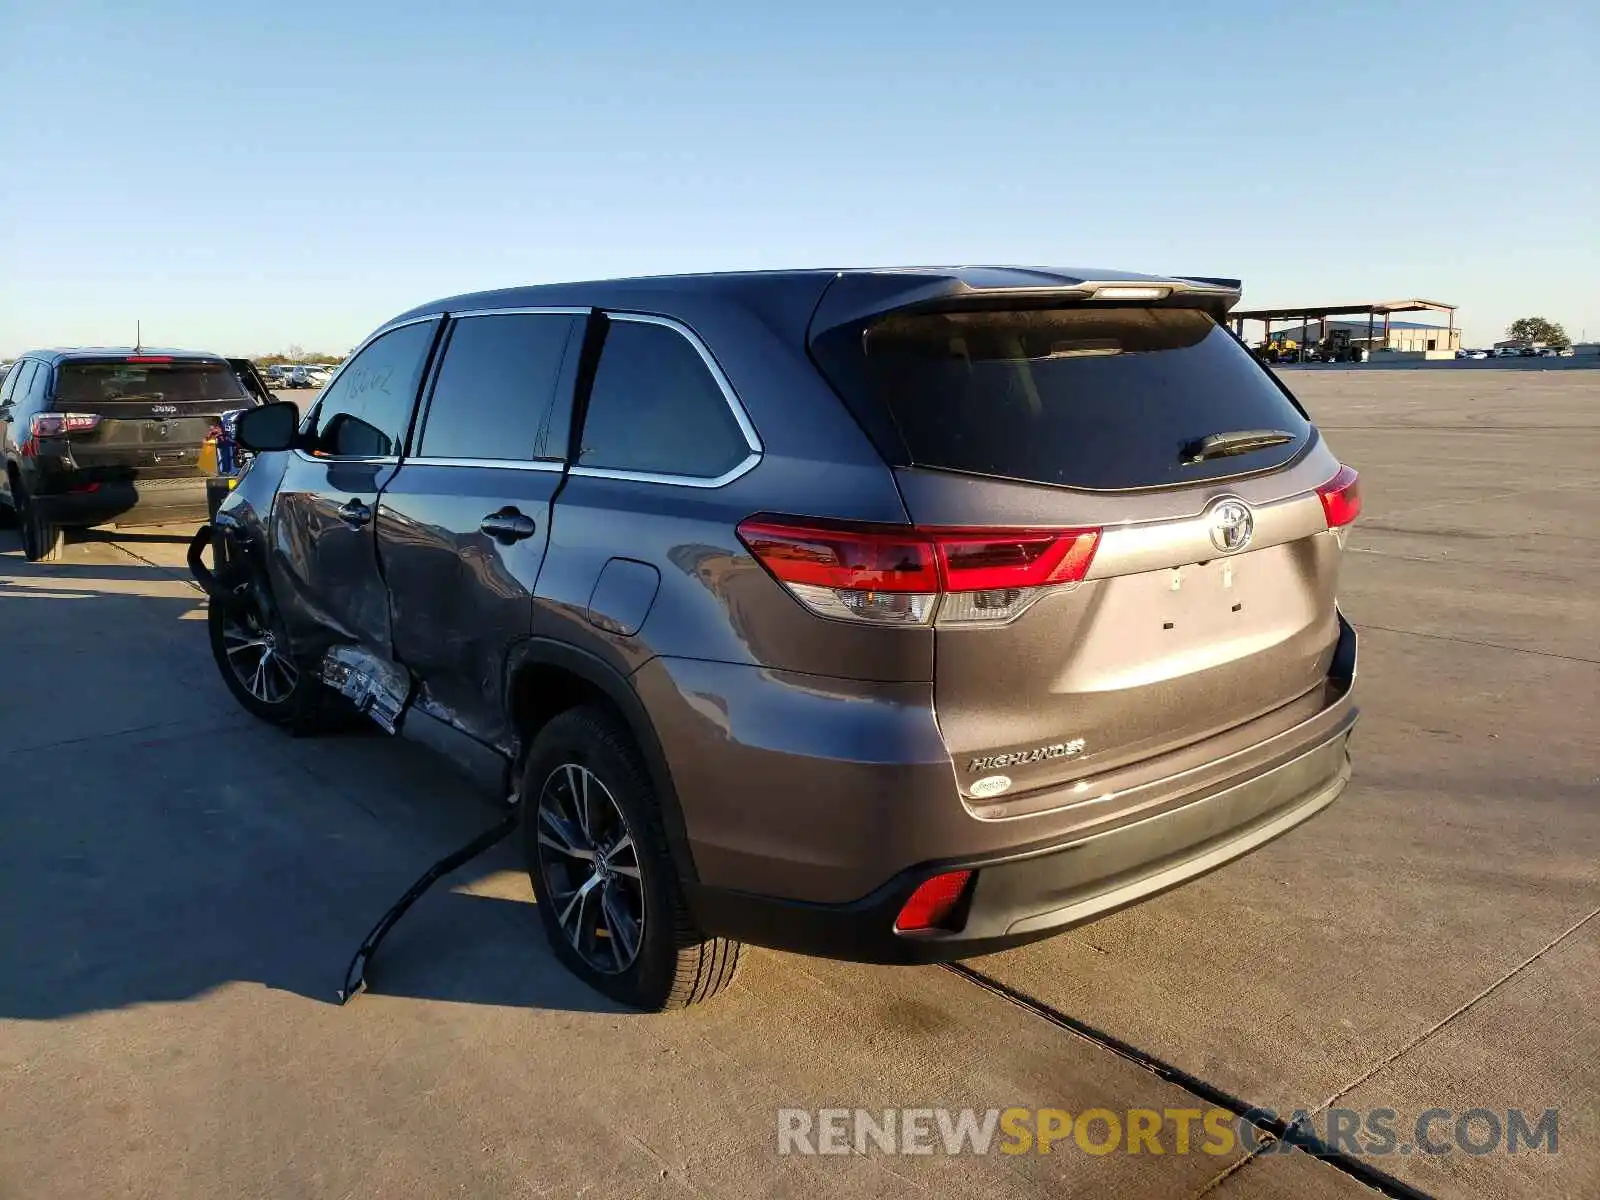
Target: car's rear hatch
143 416
1195 606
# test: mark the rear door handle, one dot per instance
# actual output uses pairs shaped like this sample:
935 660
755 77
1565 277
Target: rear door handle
353 512
508 526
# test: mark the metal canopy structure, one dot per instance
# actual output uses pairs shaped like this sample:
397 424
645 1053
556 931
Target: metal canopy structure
1306 313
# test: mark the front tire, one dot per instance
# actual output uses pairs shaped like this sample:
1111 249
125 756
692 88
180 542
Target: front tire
256 662
603 878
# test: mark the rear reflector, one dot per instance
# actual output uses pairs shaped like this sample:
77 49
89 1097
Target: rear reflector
57 424
905 575
1341 498
933 903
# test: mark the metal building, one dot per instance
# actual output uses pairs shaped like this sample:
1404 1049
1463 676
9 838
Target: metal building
1378 331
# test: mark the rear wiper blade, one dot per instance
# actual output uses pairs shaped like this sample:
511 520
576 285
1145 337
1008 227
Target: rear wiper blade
1239 441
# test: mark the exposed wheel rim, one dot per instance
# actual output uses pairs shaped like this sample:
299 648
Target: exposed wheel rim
256 657
589 863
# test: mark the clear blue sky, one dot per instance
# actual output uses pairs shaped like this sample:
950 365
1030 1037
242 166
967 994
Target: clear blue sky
242 176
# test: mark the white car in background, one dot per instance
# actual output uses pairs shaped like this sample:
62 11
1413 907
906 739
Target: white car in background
308 377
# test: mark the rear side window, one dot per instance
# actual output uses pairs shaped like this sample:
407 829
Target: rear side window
15 390
496 389
37 385
655 408
1085 397
90 385
364 412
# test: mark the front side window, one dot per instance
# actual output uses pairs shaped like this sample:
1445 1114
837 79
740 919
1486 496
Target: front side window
495 396
655 408
364 413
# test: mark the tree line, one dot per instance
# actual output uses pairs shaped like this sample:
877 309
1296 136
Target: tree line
297 355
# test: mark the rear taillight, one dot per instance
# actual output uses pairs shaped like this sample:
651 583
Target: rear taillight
1341 498
908 575
934 902
58 424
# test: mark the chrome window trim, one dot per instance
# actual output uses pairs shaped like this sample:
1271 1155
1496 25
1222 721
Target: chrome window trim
372 337
325 459
558 310
729 396
305 423
695 481
554 466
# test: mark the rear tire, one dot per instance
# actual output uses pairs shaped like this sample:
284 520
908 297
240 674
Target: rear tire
604 881
41 540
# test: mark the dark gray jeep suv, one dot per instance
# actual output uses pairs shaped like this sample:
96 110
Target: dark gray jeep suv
893 615
111 436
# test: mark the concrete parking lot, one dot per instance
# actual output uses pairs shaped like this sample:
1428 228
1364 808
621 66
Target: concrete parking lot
180 889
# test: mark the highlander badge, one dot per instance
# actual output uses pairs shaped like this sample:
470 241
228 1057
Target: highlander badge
1039 754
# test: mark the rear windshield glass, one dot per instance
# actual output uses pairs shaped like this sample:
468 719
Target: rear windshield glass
1087 397
86 384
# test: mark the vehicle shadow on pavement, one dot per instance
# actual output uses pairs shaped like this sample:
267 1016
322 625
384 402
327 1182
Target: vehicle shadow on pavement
111 537
71 572
157 843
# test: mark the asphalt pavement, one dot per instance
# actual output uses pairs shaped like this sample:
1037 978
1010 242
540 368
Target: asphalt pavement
181 887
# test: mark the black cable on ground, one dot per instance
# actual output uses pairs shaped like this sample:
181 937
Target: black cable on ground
355 975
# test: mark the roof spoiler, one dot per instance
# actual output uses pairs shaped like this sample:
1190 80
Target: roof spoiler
1232 285
854 297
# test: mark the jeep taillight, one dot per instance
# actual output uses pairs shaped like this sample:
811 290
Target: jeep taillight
59 424
917 575
1341 498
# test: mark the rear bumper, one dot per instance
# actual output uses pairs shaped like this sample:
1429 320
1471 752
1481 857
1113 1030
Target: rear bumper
136 502
1018 897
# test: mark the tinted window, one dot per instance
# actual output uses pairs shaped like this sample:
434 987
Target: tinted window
365 412
37 388
1084 397
86 385
495 389
16 385
655 407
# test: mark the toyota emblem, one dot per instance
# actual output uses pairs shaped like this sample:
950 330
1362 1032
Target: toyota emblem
1232 525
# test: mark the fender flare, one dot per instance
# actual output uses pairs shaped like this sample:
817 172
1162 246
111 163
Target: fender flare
616 687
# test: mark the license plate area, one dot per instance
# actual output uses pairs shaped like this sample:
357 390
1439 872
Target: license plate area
1208 600
1160 626
151 431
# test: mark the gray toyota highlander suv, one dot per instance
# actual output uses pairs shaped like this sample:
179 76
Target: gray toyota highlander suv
891 615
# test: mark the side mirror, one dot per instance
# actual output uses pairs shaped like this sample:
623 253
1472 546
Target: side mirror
270 427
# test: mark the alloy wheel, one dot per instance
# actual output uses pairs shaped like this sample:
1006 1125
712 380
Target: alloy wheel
256 656
590 867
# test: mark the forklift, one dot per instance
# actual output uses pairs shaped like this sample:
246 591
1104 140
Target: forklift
1338 346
